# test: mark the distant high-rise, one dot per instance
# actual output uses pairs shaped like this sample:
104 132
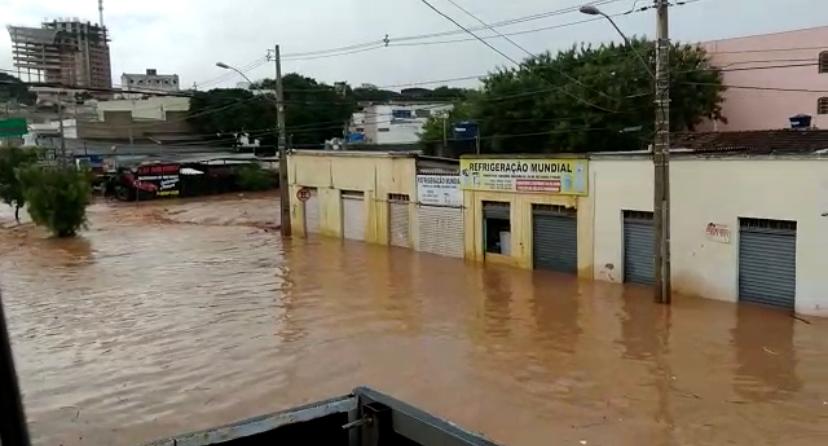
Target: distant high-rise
66 51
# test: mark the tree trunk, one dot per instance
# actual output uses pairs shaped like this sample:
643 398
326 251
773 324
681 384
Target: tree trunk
17 214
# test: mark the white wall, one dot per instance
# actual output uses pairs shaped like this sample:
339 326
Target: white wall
718 191
150 108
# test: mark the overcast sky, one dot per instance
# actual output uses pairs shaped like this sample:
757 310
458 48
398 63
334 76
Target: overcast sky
187 37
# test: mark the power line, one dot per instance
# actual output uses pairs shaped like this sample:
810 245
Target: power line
758 88
389 41
468 31
492 28
532 55
574 96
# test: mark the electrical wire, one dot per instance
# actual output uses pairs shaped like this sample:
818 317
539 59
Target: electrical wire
388 41
758 88
470 32
532 55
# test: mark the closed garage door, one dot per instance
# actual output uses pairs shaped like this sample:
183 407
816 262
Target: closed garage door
767 262
353 215
555 238
639 247
399 209
440 230
312 212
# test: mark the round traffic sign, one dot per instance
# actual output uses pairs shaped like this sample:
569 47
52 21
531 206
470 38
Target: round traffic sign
303 194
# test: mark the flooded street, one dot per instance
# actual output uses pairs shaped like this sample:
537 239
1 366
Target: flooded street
175 316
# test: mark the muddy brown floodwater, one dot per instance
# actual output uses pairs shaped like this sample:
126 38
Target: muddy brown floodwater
174 316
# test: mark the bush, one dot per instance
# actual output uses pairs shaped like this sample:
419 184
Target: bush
12 160
57 197
253 177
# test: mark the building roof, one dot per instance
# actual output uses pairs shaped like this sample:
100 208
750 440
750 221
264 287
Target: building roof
753 142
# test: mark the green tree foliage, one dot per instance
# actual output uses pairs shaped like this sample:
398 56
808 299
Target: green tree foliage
314 111
13 89
610 107
57 197
12 160
253 177
226 111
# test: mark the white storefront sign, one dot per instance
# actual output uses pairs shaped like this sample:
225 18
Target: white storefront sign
439 190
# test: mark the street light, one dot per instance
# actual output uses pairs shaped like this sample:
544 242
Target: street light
284 195
593 10
228 67
661 146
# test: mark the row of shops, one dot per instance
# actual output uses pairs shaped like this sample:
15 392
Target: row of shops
744 228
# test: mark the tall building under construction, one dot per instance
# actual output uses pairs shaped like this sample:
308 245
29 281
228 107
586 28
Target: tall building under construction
69 52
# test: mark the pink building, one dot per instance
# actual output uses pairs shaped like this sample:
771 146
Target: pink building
795 60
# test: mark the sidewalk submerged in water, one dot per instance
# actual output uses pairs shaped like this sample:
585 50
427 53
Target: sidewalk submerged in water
176 316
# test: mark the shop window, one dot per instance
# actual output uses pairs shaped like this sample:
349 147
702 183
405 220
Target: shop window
497 228
823 62
822 106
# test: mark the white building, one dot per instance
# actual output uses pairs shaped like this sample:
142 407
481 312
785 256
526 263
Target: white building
751 228
150 81
394 123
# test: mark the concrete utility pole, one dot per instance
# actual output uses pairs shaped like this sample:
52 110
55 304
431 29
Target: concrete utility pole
284 191
62 137
661 156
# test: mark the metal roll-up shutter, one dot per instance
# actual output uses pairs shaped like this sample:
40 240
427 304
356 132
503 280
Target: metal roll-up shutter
767 262
440 230
312 218
353 215
639 248
399 210
555 238
496 210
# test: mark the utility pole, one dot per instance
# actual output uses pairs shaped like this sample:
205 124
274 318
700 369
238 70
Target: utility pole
444 151
661 156
62 138
284 191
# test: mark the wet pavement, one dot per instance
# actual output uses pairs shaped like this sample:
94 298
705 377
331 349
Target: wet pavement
174 316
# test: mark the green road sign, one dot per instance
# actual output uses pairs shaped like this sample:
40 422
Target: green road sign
12 127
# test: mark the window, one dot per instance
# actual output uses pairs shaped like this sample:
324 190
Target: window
823 62
401 114
423 113
383 129
497 227
822 106
360 129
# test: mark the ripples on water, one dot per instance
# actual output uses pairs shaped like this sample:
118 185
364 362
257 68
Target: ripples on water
174 316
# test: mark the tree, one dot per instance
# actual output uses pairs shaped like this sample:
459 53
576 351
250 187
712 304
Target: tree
224 112
12 159
252 177
57 197
12 88
314 111
590 99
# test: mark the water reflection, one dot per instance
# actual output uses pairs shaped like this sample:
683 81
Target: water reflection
765 354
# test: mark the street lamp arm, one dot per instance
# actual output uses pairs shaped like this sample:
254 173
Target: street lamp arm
230 67
629 45
593 10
